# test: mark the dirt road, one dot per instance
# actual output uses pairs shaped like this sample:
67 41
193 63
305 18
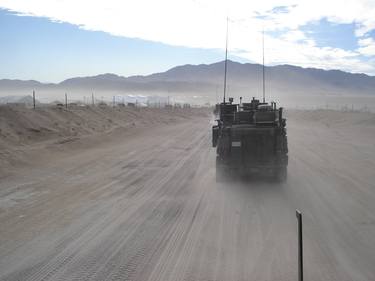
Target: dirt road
148 208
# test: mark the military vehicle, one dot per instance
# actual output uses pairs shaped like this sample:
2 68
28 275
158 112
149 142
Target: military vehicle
250 138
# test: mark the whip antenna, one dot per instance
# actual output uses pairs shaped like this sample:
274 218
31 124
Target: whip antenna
225 63
264 81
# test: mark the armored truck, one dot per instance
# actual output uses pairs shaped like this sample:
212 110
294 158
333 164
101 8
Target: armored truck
250 138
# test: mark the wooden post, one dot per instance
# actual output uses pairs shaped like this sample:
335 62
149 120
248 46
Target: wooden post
66 101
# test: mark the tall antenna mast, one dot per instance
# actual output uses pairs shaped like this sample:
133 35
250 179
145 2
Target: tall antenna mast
226 61
264 81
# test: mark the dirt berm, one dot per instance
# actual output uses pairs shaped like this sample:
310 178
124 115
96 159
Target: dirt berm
25 130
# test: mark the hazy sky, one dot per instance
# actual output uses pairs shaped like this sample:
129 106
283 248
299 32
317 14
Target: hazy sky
51 40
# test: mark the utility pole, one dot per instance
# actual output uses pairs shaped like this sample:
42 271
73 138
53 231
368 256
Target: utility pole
66 101
34 99
216 99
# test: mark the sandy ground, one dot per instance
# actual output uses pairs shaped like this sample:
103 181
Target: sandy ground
143 204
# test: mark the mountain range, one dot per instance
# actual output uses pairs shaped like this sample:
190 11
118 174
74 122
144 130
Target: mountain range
207 79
